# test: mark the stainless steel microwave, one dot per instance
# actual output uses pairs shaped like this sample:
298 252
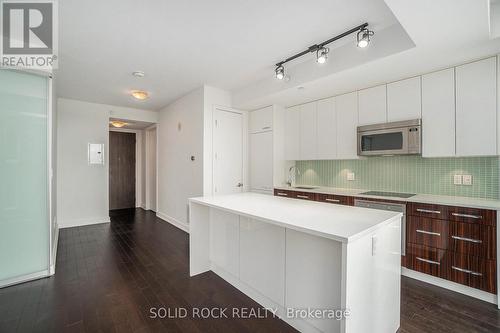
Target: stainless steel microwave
397 138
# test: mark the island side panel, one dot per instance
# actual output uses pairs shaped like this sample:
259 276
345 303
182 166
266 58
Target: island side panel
373 281
225 241
313 279
199 239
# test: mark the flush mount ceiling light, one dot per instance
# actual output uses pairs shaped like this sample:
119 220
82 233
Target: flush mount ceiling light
322 55
118 124
138 74
140 94
279 72
363 39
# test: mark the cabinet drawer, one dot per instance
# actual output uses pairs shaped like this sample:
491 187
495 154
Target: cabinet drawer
472 272
472 215
427 260
284 193
305 195
335 199
427 231
473 240
427 210
295 194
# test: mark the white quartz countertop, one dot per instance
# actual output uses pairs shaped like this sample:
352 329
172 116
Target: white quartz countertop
422 198
341 223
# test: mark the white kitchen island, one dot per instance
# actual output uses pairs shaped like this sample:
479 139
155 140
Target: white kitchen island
295 256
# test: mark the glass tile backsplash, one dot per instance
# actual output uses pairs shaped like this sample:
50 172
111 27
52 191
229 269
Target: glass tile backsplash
410 174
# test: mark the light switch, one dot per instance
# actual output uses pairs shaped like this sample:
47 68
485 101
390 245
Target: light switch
350 176
457 179
96 153
467 179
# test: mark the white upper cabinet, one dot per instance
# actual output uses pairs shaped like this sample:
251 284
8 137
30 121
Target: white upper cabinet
404 100
327 129
476 108
308 131
438 114
292 133
346 107
372 105
261 120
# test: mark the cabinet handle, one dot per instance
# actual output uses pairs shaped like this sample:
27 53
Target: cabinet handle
467 239
428 232
467 215
466 271
428 261
332 200
283 194
303 196
421 210
267 127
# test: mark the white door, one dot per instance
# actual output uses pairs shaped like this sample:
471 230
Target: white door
228 152
261 161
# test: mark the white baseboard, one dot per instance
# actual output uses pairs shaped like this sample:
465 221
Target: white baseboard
85 221
173 221
24 278
459 288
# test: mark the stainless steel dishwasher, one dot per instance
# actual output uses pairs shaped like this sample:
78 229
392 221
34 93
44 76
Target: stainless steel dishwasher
390 206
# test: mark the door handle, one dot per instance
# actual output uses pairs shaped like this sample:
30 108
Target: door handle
239 185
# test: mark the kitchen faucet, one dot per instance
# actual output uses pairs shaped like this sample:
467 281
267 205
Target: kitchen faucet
291 175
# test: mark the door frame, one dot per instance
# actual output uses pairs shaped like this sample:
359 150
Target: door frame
149 176
245 148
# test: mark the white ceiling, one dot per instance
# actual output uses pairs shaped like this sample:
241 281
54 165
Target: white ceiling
181 45
445 33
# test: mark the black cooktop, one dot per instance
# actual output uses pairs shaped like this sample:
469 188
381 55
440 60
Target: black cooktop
389 194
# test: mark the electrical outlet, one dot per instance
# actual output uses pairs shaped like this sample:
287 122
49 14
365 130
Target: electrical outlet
457 179
467 179
350 176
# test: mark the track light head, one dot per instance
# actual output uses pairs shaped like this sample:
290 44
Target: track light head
280 72
363 37
322 54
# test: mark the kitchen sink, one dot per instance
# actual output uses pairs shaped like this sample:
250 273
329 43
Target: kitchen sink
305 187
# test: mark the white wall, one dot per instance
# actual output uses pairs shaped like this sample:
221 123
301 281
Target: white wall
180 136
179 178
82 190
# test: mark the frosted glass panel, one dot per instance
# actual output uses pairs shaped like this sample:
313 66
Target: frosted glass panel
24 225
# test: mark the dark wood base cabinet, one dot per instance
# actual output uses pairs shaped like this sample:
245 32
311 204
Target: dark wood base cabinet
454 243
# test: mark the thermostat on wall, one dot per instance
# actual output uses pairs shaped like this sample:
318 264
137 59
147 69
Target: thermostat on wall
96 153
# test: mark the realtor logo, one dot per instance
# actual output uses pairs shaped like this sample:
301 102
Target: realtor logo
29 38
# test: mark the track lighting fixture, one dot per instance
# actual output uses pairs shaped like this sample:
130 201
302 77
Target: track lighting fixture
363 37
280 72
322 55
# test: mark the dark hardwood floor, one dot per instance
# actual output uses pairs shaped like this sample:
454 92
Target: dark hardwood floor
108 276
